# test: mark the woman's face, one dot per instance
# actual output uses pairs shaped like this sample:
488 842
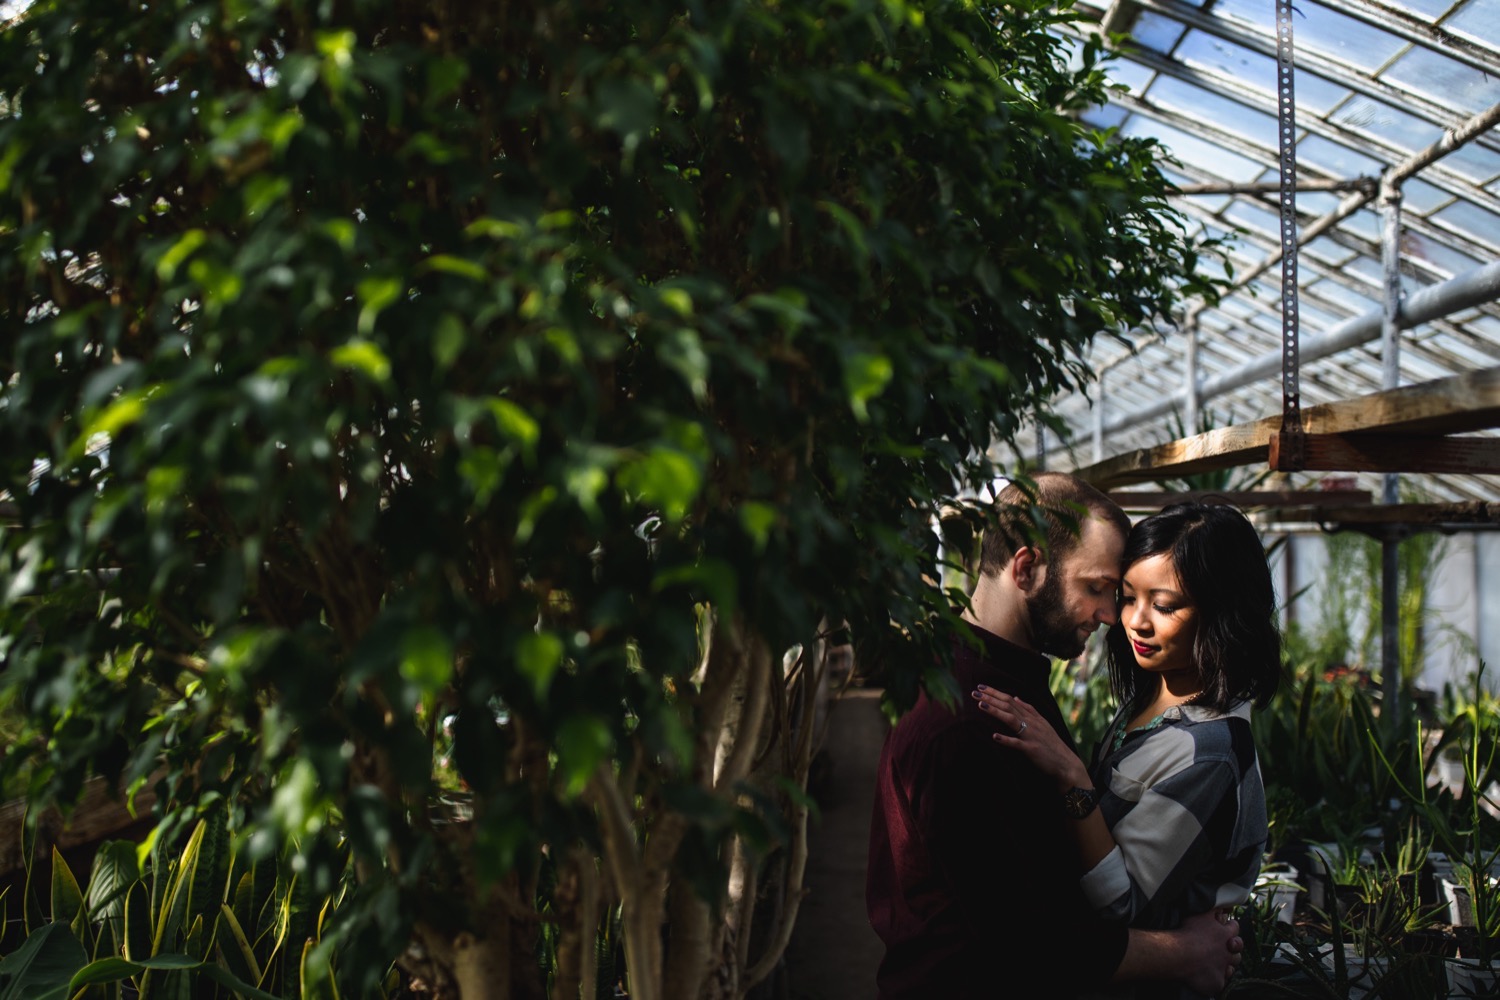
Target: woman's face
1159 620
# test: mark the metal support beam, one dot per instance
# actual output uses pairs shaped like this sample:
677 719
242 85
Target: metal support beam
1466 291
1390 356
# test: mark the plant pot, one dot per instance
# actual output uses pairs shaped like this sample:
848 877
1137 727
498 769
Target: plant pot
1278 887
1473 948
1471 979
1434 941
1361 974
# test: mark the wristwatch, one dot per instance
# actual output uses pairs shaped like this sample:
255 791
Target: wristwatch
1079 802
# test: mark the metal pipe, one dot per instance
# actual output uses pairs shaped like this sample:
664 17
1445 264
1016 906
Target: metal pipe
1190 366
1463 292
1099 422
1390 356
1274 187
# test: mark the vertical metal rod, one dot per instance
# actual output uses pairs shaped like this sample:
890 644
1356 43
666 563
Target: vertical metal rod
1190 363
1392 688
1290 443
1099 422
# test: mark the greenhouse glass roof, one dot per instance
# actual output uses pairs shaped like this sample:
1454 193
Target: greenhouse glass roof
1406 92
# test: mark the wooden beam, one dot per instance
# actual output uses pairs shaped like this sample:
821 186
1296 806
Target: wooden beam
1466 402
1395 453
1414 515
1155 499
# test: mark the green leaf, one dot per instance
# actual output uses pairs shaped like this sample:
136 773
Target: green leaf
583 743
664 479
126 409
138 923
514 422
865 376
538 655
67 897
427 659
178 890
234 947
682 351
363 356
181 250
448 264
375 294
41 967
758 519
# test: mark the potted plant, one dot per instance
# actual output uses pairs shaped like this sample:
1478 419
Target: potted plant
1474 971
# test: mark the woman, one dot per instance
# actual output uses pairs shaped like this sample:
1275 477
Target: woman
1180 826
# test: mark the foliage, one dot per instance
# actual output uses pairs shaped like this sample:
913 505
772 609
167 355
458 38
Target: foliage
1347 630
205 920
1084 696
428 425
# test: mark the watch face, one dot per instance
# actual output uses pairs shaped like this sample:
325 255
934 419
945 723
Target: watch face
1079 802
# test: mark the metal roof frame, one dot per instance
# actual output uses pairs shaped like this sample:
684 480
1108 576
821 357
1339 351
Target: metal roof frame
1377 133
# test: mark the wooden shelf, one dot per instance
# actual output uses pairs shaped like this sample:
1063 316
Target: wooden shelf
1245 499
1419 417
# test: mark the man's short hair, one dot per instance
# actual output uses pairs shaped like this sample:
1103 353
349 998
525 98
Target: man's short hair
1045 510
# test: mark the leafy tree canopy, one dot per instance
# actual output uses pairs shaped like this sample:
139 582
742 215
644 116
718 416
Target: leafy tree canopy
406 397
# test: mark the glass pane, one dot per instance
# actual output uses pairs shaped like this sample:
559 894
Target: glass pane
1215 55
1365 224
1316 203
1428 10
1450 83
1131 73
1476 223
1350 301
1473 162
1332 159
1351 42
1193 151
1157 32
1326 251
1479 20
1421 197
1435 255
1256 12
1378 120
1205 106
1255 218
1105 117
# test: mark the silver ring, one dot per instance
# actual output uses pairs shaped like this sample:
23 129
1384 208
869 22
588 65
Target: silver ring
1021 730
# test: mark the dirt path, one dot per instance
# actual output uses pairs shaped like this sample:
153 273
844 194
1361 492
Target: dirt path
833 952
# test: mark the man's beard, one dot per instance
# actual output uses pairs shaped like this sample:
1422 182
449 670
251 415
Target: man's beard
1052 629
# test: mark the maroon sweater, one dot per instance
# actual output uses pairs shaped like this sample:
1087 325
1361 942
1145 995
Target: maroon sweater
973 873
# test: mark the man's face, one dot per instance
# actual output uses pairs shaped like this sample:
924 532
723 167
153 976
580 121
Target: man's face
1077 596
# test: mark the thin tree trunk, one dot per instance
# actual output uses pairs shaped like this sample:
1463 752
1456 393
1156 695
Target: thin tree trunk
577 904
688 946
482 966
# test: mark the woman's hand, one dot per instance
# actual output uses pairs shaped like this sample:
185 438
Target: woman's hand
1033 736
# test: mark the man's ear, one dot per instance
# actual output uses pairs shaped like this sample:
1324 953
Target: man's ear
1026 569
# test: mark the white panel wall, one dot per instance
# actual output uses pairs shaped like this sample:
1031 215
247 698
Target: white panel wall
1463 603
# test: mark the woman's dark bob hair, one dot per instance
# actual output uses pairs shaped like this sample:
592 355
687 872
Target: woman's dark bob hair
1221 564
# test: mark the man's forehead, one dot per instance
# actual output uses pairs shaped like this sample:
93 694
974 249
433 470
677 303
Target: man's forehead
1098 552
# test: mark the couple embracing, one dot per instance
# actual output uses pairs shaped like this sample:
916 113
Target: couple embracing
1002 864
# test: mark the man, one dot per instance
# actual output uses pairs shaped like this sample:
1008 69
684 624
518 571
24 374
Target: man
973 875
